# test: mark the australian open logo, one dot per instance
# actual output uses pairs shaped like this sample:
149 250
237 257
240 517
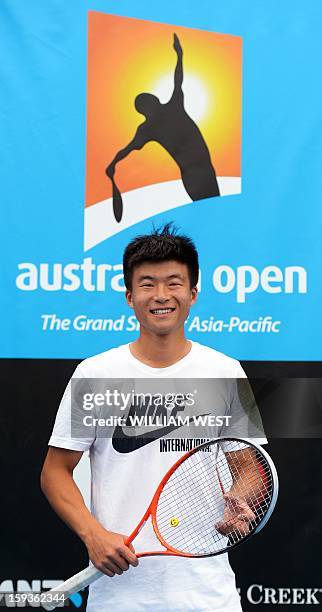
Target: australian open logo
163 121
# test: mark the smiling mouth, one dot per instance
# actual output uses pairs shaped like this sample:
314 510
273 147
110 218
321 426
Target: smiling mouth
162 311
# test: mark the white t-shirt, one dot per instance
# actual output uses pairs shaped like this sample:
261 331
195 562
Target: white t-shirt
124 479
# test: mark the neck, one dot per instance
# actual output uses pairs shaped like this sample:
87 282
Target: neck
160 351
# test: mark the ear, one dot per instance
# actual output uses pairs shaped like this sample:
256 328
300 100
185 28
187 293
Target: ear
194 295
128 297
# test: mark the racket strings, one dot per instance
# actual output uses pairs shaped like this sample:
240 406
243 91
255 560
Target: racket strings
210 488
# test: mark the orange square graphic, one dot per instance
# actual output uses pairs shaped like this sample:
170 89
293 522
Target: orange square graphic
163 106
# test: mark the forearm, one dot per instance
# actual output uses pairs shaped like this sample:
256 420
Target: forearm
178 73
106 549
247 479
248 486
122 154
66 499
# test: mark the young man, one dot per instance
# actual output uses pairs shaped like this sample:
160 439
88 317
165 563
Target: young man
161 276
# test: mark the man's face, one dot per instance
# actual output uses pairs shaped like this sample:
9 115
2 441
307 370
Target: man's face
161 296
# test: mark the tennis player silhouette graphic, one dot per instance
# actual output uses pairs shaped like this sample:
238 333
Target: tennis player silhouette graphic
170 125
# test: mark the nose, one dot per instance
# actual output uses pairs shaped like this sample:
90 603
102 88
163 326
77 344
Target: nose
161 293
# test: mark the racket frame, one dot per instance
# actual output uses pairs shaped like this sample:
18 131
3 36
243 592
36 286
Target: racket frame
91 573
152 508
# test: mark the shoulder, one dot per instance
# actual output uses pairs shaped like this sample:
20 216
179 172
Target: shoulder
101 365
219 362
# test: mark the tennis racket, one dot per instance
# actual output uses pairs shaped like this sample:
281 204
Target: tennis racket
117 202
212 499
116 196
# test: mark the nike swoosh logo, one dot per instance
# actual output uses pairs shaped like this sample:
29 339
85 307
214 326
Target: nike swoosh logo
123 443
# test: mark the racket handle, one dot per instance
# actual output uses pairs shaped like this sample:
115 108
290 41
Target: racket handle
74 584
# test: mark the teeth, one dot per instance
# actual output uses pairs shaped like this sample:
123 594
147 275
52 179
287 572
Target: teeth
162 310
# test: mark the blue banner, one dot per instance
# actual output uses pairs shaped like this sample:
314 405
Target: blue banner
232 156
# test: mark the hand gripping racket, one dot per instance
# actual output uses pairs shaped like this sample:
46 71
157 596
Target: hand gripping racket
213 498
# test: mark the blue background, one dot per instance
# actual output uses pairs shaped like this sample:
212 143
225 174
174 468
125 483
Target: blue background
275 221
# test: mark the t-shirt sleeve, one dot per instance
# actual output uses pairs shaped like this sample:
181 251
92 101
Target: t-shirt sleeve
245 420
62 435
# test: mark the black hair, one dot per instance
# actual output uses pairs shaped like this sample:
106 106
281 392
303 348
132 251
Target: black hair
163 244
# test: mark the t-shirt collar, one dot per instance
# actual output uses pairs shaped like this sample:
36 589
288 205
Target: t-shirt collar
169 370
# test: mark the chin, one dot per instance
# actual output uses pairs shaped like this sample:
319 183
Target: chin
160 331
163 332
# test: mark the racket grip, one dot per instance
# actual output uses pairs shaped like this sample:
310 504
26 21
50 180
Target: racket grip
74 584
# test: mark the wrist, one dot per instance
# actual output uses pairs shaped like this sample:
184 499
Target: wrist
89 530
